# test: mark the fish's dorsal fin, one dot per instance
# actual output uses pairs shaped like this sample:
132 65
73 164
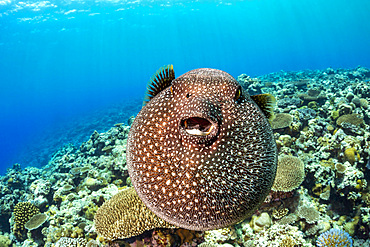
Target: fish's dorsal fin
266 102
159 81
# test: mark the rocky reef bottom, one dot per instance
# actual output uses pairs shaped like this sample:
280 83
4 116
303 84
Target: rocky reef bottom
321 194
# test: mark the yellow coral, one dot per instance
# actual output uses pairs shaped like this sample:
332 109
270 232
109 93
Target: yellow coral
351 155
334 114
281 120
288 242
90 212
185 235
124 216
4 241
23 212
280 213
290 173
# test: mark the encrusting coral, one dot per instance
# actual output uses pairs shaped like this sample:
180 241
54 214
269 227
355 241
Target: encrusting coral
289 174
125 216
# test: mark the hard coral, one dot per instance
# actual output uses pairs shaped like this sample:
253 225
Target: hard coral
277 234
281 120
71 242
36 221
290 173
348 120
23 212
4 241
351 155
334 238
310 214
125 216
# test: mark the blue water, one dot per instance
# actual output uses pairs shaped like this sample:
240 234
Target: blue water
62 60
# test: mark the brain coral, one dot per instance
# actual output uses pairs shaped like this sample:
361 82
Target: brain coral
281 120
36 221
289 175
23 212
124 216
334 237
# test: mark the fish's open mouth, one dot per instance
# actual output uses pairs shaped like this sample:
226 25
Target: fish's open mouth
197 126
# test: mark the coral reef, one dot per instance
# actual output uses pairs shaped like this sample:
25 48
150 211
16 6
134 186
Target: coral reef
327 130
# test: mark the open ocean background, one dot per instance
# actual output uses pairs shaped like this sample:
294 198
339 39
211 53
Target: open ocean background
69 67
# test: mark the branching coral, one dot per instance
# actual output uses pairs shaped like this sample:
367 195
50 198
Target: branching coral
334 238
23 212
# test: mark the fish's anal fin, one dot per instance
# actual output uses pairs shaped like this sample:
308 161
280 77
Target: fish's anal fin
159 81
266 102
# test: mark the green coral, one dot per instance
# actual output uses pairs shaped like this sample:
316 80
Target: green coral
334 115
4 241
91 211
313 105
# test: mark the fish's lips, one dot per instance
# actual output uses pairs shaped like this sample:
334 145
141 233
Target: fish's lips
199 129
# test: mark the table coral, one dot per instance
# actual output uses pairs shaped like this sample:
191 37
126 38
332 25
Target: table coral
36 221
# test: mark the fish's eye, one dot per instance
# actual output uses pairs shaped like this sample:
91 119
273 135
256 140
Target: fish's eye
187 95
238 94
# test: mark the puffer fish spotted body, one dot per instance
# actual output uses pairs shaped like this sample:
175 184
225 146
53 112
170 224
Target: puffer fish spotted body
201 153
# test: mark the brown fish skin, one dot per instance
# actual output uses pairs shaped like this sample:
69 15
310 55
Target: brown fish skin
200 157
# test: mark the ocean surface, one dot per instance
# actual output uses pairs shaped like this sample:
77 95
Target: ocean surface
70 67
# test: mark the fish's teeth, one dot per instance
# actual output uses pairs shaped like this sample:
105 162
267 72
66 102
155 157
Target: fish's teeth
196 132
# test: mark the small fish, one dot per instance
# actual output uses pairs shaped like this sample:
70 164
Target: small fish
201 152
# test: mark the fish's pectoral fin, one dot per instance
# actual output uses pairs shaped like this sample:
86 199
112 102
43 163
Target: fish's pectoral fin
266 102
159 81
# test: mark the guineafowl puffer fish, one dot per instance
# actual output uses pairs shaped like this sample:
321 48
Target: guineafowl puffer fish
201 152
